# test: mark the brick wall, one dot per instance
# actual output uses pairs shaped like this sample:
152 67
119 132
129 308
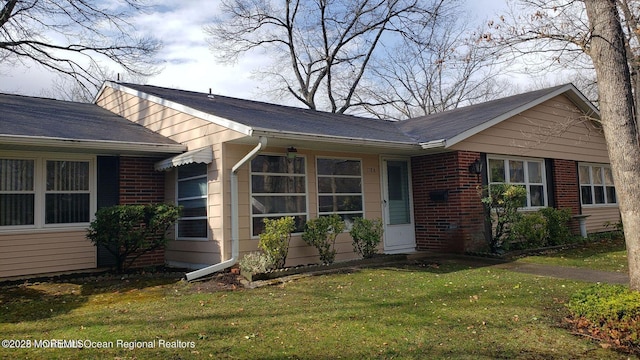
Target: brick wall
567 189
449 215
141 184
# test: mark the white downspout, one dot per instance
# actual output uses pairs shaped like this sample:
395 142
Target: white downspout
235 241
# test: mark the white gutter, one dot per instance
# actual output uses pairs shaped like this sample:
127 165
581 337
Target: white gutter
434 144
88 144
235 227
298 136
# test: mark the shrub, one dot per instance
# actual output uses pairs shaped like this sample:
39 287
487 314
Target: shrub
503 201
602 303
615 229
558 225
129 231
531 229
321 233
611 312
366 235
275 238
255 263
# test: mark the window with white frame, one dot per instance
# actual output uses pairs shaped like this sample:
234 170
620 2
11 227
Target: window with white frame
67 196
37 192
596 185
529 173
278 188
340 187
192 196
17 192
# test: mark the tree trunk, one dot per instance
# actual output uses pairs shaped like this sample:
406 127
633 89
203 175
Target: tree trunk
607 50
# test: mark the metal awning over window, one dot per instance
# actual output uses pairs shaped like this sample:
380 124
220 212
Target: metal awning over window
203 155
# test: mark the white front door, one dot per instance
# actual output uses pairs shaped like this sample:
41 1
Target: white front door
397 207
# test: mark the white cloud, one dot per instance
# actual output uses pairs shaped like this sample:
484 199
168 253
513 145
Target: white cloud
187 61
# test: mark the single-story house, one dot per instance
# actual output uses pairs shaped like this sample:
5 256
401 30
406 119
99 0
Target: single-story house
231 163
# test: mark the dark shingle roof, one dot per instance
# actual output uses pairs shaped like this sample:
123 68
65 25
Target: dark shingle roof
448 124
265 116
48 118
454 124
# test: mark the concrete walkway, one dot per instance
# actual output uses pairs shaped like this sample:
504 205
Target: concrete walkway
561 272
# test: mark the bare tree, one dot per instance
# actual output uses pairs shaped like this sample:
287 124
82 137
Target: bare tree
592 33
71 37
551 36
322 49
67 88
448 68
608 50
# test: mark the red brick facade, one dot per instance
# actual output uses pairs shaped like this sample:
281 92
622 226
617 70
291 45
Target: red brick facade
449 215
566 190
141 184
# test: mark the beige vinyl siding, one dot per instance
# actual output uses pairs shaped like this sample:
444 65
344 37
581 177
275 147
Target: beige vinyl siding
553 129
178 126
299 251
41 252
599 216
195 133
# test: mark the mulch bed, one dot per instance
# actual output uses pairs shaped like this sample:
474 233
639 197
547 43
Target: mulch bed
620 340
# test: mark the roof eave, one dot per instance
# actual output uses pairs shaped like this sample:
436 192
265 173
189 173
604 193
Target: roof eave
92 145
570 90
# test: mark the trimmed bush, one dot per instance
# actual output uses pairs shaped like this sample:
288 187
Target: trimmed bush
366 235
608 312
558 225
530 231
321 233
129 231
275 238
603 303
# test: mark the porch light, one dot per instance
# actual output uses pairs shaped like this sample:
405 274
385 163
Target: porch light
476 167
292 153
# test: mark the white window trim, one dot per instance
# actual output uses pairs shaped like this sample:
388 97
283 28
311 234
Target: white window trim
39 178
361 177
526 183
206 197
251 193
594 205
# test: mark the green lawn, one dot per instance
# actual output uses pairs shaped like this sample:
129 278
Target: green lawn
421 311
606 254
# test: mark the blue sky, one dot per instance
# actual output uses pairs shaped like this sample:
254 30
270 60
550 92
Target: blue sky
188 62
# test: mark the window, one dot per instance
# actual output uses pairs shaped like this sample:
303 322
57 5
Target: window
40 192
278 188
17 193
67 192
596 185
192 196
528 173
340 188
